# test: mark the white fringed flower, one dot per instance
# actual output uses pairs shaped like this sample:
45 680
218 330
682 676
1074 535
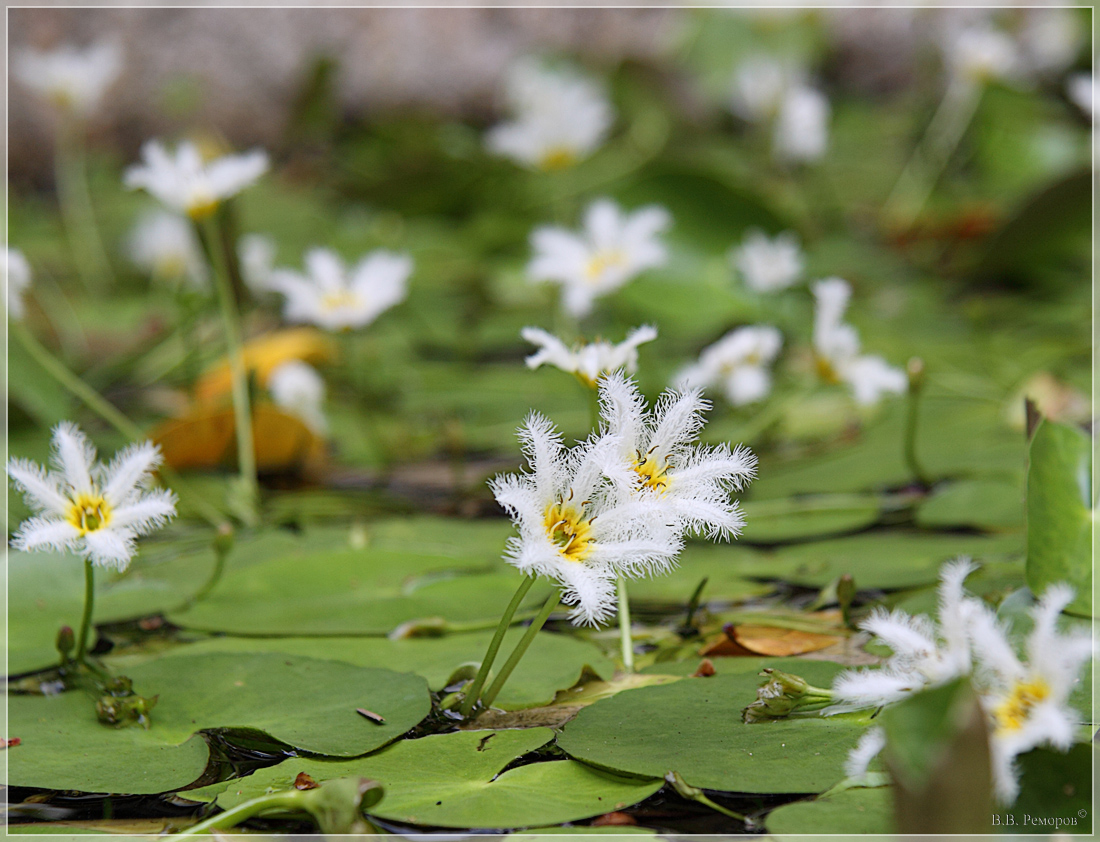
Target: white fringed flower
588 362
70 78
759 85
256 254
164 245
801 131
694 484
924 654
334 297
740 363
867 749
980 53
96 511
772 92
573 527
612 249
17 277
768 264
836 348
1028 702
561 117
297 388
186 183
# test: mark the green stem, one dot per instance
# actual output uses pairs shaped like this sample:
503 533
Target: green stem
86 620
287 801
474 689
242 409
552 602
220 556
76 209
625 636
912 418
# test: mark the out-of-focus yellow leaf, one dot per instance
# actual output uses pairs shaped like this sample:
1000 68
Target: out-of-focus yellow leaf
263 355
768 640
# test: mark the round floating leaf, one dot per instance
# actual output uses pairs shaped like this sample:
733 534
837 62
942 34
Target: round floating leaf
456 780
993 505
1055 786
1059 511
694 727
847 813
306 703
771 521
720 565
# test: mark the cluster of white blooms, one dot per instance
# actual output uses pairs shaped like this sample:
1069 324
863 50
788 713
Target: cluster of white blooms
17 277
164 245
97 511
613 248
297 388
739 363
256 254
618 503
836 348
560 116
1026 702
72 79
768 91
589 362
186 183
334 297
981 53
1045 42
768 264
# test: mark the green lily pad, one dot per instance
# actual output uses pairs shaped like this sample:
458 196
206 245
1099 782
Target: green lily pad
306 703
720 564
771 521
1054 786
993 505
849 812
456 780
1059 512
694 727
554 662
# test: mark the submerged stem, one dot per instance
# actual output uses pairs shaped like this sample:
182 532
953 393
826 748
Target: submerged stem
474 689
287 801
86 620
626 638
528 638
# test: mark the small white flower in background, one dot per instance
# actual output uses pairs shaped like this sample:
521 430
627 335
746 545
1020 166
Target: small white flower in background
767 263
1080 90
572 527
71 78
17 277
924 654
739 363
164 245
256 254
588 362
186 183
613 248
836 348
560 117
297 388
759 85
1050 39
801 131
97 511
693 483
334 297
1028 702
981 53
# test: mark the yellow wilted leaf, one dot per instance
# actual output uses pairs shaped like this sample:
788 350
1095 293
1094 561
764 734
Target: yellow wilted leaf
263 355
769 640
206 438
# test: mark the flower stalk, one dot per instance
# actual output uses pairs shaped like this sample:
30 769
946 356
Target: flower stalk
625 636
89 606
70 173
525 642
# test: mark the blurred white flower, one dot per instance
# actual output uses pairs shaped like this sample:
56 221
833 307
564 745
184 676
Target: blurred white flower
297 388
256 254
768 264
802 127
759 85
572 526
836 348
334 297
739 363
70 78
17 277
612 249
1050 39
867 749
1028 702
186 183
981 53
588 362
1080 89
163 244
97 511
692 484
560 117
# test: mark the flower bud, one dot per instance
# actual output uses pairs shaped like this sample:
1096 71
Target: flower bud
65 642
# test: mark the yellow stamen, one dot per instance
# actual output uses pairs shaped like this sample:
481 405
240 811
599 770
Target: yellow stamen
557 158
825 370
600 262
570 531
1013 713
89 512
338 300
654 475
201 208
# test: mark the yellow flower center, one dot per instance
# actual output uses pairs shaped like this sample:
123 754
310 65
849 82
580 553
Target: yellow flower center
569 530
171 266
61 98
1013 713
602 261
339 300
654 474
825 370
557 158
202 207
89 512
